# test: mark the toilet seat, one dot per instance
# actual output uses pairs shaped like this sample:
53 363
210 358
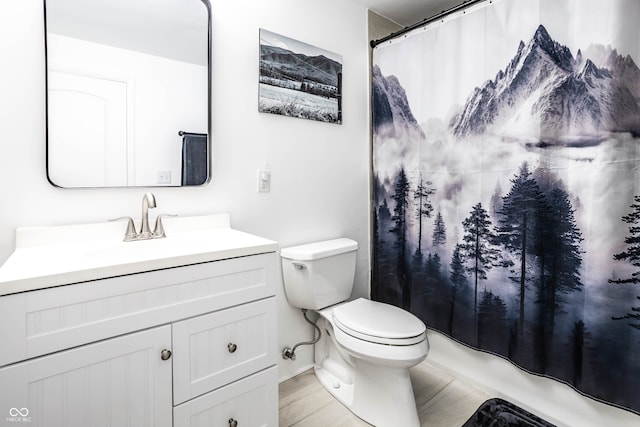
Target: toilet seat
378 323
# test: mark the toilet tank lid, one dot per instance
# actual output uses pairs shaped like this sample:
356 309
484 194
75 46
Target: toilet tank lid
318 250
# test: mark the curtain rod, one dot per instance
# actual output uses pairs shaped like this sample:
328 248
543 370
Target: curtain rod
426 21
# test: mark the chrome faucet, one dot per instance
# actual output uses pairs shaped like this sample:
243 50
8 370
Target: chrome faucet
148 202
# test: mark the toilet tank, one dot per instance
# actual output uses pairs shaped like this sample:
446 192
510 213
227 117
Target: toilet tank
320 274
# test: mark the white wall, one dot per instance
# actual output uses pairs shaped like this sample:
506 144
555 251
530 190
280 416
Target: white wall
320 171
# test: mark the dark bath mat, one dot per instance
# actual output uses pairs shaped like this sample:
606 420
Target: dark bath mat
500 413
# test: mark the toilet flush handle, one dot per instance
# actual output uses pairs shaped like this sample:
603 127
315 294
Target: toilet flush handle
299 266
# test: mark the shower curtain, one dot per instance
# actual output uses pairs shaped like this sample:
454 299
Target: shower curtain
505 206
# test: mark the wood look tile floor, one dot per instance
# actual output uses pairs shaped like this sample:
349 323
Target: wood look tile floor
442 401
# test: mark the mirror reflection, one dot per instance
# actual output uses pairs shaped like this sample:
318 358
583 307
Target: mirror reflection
128 92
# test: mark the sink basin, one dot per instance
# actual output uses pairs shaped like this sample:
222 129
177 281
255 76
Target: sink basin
154 248
54 256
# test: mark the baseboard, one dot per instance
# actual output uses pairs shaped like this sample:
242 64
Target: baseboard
296 372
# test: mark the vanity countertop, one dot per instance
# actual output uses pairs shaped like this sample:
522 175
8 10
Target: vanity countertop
54 256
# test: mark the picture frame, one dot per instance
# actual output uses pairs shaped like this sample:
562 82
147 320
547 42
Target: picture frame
299 80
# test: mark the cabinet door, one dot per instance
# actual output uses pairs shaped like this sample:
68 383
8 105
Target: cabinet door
217 348
250 402
118 382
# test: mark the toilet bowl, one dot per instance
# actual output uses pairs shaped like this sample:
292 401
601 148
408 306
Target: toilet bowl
365 348
367 369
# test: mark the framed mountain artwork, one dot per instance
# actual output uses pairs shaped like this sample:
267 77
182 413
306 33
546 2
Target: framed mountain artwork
299 80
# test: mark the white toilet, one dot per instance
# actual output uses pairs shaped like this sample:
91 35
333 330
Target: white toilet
366 348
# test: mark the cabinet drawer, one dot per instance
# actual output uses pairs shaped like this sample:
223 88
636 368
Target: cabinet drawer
215 349
251 401
49 320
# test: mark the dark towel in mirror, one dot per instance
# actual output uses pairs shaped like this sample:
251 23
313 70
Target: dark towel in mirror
194 158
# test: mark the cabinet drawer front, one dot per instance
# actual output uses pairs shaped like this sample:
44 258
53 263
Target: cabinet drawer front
251 401
118 382
215 349
49 320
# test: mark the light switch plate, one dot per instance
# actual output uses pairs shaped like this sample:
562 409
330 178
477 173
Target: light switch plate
264 181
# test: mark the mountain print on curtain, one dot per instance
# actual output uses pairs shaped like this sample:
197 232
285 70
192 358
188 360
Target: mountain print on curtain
506 211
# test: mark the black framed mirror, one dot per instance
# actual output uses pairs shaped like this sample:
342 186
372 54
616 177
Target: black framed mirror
128 92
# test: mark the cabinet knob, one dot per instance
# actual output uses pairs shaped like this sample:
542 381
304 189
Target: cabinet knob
165 354
232 349
233 423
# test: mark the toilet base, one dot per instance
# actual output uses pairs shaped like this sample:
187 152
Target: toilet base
380 395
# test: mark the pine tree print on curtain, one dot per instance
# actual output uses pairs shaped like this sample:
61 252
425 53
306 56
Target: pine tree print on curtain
505 207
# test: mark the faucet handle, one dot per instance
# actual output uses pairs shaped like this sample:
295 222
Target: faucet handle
131 233
158 231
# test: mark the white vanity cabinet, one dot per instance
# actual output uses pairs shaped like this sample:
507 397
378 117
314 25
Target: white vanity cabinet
189 345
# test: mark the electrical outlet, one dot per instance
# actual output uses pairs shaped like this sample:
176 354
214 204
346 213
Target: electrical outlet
164 177
264 181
